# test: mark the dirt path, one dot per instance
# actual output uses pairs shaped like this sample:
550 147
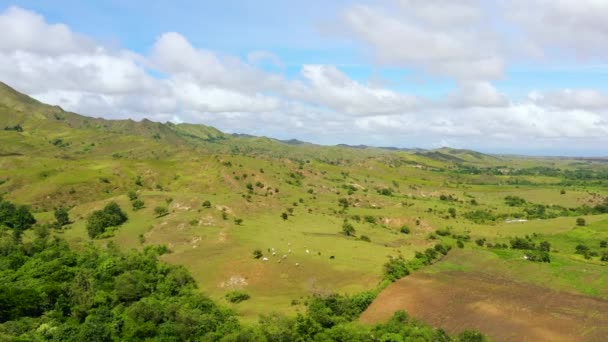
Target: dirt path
502 309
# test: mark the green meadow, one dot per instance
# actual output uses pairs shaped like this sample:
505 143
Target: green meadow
292 202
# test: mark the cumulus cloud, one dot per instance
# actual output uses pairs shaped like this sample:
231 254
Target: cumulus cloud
576 27
477 94
588 99
181 82
328 86
419 37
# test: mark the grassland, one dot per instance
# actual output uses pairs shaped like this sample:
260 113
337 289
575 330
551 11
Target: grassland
64 159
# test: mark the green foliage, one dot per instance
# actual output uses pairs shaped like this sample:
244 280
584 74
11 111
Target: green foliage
514 201
365 238
405 229
17 217
16 128
370 219
284 216
522 243
580 221
348 229
237 296
161 211
603 244
138 204
86 296
452 212
238 221
480 216
385 191
110 216
460 244
257 254
538 256
395 268
207 204
132 195
62 216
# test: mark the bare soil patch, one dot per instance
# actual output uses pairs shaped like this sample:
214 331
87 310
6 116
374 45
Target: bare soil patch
502 309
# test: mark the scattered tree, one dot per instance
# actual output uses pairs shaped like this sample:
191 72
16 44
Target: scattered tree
62 216
161 211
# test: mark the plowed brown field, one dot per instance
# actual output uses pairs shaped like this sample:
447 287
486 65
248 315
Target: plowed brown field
502 309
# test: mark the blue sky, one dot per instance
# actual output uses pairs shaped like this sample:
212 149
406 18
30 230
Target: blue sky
517 77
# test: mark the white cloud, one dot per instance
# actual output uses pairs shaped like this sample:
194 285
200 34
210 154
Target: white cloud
477 94
321 103
327 86
576 27
588 99
23 30
418 37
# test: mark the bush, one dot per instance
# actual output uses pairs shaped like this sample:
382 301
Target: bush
365 238
207 204
580 222
480 242
132 195
62 216
237 296
238 221
514 201
603 244
538 256
110 216
370 219
161 211
522 243
460 244
348 229
405 230
137 204
395 269
257 254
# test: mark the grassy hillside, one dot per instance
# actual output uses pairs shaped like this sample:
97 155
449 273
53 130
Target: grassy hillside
51 158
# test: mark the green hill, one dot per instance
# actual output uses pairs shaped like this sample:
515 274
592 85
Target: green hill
322 219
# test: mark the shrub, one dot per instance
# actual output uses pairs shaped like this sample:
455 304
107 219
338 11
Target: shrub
62 216
442 232
161 211
480 242
538 256
237 296
238 221
348 229
603 244
110 216
206 204
132 195
514 201
405 230
370 219
460 244
521 243
395 269
580 221
452 212
365 238
137 204
257 254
